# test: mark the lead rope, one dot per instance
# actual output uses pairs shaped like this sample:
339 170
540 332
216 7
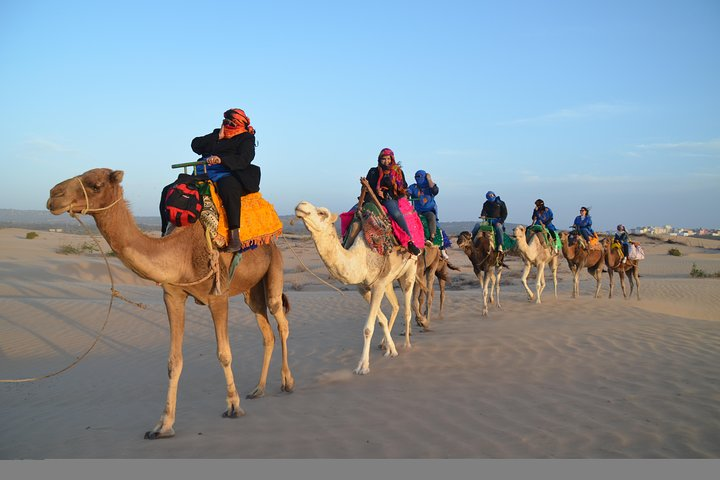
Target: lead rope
114 293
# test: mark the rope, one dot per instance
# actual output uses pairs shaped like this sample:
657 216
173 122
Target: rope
113 293
305 266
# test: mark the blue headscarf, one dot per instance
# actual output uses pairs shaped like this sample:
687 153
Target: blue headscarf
421 179
490 195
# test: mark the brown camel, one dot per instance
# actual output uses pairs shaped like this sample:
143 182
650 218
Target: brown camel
181 264
613 261
486 262
442 273
579 257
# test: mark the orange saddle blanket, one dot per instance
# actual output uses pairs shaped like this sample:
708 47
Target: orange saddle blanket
259 222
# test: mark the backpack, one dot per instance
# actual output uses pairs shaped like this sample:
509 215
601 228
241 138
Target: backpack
182 203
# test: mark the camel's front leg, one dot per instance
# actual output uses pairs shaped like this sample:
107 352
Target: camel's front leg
621 274
540 281
218 305
382 319
523 279
484 282
576 282
376 295
554 267
498 276
636 276
407 283
598 280
175 306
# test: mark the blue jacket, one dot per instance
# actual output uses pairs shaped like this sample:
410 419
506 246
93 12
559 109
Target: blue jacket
584 223
543 218
423 197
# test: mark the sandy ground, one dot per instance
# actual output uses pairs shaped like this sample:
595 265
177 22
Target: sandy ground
570 378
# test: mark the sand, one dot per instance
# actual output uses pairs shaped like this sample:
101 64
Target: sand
570 378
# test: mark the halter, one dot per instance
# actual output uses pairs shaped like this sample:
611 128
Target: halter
87 208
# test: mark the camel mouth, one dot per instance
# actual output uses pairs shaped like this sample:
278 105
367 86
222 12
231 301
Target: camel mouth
56 210
300 211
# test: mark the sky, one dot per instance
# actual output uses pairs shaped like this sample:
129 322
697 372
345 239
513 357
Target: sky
613 105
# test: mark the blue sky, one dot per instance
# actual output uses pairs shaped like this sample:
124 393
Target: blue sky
614 105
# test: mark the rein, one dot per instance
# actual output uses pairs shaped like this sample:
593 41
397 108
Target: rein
87 208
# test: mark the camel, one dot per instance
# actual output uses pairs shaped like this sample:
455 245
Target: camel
536 252
613 261
442 275
181 264
486 262
373 274
579 257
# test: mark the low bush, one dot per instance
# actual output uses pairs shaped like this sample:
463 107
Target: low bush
675 252
31 235
697 272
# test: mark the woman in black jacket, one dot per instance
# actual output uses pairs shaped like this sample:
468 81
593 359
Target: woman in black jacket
229 151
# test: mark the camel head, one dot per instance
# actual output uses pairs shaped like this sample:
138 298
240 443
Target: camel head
519 231
93 190
464 240
316 219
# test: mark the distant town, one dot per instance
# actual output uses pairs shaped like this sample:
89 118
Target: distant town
675 232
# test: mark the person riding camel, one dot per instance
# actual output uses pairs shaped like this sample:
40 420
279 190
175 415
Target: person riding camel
542 215
388 183
621 236
495 212
228 152
422 193
583 223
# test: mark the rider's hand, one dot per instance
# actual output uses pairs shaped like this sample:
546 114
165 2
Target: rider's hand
213 160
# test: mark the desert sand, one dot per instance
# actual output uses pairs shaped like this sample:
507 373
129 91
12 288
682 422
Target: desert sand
570 378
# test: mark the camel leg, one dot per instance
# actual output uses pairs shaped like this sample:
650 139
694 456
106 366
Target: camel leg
376 296
420 319
636 276
598 279
554 267
621 273
407 284
218 306
497 280
441 285
175 306
278 304
484 282
430 283
523 279
576 281
392 299
540 281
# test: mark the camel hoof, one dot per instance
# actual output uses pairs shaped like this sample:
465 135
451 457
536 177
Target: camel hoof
152 435
233 413
287 388
255 394
361 371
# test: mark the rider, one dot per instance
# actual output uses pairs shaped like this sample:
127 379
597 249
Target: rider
542 215
228 151
494 211
583 223
622 237
388 183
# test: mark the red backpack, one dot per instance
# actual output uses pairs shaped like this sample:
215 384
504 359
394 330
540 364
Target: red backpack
183 203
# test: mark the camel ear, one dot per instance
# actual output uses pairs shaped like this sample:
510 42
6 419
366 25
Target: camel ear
117 176
333 217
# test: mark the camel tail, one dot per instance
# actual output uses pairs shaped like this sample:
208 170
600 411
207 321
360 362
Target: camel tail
285 304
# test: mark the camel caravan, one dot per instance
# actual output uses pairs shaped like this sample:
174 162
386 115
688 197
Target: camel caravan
384 240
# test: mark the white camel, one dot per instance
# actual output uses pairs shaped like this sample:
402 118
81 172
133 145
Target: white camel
536 253
372 273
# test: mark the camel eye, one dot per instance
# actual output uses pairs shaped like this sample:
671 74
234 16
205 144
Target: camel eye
95 187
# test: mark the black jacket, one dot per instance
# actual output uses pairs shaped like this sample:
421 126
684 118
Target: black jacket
373 176
236 154
496 209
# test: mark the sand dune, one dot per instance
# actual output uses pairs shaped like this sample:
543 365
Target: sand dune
570 378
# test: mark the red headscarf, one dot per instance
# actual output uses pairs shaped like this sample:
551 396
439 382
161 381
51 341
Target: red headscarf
234 123
394 171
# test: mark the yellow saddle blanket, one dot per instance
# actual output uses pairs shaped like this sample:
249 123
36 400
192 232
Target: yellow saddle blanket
259 222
